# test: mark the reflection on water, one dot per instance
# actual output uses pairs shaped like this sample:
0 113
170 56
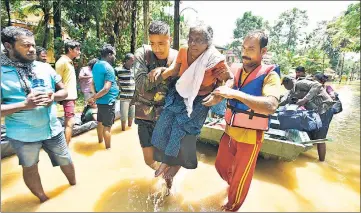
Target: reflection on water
118 180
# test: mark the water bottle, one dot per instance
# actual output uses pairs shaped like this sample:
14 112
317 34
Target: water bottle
38 85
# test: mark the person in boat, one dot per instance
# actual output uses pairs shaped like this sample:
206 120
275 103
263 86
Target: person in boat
149 95
127 86
313 96
322 79
106 92
29 90
300 73
254 96
201 68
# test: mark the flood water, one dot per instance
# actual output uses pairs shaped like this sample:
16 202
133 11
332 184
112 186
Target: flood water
118 180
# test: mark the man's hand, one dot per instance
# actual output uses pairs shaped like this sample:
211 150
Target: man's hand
224 91
155 74
35 99
301 102
49 100
91 101
212 100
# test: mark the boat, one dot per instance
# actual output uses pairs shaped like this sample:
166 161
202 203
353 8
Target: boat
284 145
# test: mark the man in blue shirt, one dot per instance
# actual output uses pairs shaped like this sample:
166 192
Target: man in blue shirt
107 91
29 108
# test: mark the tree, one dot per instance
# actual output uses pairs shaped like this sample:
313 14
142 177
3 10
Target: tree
145 21
247 23
176 25
134 27
45 7
116 20
7 5
290 26
345 30
57 18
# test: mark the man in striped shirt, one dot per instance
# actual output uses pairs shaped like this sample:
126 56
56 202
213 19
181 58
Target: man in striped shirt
127 86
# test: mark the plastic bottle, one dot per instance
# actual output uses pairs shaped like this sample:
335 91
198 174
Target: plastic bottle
38 85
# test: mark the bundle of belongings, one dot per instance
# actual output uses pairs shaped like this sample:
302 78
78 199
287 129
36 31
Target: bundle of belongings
295 117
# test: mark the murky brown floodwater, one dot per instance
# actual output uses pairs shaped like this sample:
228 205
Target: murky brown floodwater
118 180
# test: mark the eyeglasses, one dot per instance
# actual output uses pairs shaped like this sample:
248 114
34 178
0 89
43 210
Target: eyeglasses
196 41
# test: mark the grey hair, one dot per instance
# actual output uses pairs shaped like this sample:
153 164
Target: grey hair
205 29
159 28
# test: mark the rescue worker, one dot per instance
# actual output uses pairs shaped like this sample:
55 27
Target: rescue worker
255 95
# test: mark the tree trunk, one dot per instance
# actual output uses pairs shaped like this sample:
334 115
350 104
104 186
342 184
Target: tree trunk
97 25
338 63
57 18
176 25
146 20
7 5
342 63
133 27
47 29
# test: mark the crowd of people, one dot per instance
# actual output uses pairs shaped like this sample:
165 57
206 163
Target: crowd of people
167 92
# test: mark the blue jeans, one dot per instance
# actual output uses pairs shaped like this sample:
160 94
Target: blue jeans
56 147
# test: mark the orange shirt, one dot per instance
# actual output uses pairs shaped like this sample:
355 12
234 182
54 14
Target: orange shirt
271 87
209 78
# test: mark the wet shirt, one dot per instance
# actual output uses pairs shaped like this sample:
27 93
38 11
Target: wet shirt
33 125
103 71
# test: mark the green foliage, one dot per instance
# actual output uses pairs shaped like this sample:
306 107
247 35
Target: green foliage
345 30
247 23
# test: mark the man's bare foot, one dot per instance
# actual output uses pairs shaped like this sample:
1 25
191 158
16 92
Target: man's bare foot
161 169
43 198
226 208
171 172
169 183
154 165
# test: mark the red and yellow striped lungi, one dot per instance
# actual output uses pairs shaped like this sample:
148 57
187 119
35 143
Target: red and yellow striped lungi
235 163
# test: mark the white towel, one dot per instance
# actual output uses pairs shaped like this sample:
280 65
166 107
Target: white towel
190 82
